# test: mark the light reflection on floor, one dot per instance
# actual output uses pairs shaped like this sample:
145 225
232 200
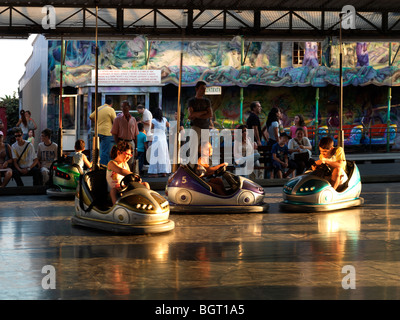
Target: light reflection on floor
224 256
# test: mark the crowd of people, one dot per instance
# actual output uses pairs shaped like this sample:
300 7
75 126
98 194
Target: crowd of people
147 139
289 153
18 157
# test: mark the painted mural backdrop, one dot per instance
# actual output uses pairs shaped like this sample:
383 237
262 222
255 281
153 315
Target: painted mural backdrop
267 64
219 63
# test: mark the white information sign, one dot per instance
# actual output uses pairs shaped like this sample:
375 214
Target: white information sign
128 77
215 90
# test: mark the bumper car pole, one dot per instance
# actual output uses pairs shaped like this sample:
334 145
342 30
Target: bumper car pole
60 105
175 164
340 134
95 153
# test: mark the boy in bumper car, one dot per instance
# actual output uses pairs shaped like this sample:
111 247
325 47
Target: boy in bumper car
335 159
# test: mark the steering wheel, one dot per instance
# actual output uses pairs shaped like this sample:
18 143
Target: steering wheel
128 179
220 171
324 169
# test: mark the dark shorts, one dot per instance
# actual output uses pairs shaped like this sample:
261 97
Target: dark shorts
278 166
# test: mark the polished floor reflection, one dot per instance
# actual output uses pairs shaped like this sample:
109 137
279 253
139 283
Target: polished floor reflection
223 256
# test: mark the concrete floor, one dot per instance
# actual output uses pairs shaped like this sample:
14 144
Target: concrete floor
223 256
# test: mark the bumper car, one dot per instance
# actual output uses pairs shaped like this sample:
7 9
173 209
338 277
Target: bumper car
64 177
138 211
312 192
187 192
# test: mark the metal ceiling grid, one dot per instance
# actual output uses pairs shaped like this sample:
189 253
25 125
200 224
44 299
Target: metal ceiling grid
268 19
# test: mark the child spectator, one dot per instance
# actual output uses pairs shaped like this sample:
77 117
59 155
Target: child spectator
280 157
47 153
118 168
335 159
142 145
31 138
78 157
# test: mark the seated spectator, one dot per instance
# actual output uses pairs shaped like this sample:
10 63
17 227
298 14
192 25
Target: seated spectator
300 151
78 157
25 160
5 162
2 126
245 150
47 153
280 158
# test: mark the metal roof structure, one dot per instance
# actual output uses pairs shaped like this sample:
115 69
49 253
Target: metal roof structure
204 19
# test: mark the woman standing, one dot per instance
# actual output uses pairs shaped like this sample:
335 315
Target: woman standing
159 155
273 126
298 122
31 123
23 124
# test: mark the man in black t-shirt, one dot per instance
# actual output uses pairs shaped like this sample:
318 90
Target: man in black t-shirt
199 114
199 109
253 121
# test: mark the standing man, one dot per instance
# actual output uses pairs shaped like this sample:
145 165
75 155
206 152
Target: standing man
125 128
25 160
146 118
199 114
105 118
47 153
253 122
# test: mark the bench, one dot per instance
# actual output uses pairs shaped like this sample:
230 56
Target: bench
265 160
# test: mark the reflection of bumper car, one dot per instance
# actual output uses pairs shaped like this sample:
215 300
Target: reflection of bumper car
64 178
311 192
187 192
138 211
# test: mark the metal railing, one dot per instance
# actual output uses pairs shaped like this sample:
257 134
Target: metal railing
358 137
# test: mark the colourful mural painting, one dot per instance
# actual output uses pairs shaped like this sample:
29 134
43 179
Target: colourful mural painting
219 63
267 75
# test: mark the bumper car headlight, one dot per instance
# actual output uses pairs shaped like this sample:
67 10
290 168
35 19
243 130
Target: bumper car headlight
144 206
312 186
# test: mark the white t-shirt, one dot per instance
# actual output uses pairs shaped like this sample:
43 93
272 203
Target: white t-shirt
293 144
247 149
146 117
47 154
271 130
27 157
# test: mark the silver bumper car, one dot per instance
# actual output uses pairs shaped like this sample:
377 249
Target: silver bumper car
312 192
138 211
